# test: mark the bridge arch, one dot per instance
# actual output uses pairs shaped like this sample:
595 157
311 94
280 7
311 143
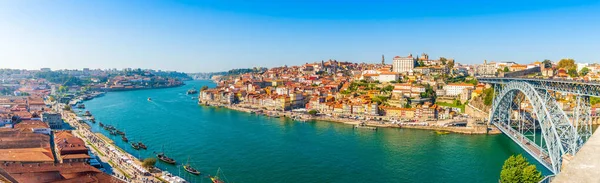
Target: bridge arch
559 135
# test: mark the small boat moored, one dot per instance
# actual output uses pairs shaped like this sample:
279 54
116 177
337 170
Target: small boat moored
149 99
190 169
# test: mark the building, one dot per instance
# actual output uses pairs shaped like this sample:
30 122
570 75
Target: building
486 69
54 120
70 148
25 146
403 64
51 172
455 89
385 77
34 126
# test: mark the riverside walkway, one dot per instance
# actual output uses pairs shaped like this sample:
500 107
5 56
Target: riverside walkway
125 166
585 166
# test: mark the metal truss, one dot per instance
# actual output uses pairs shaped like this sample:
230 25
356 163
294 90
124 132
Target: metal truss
582 88
558 135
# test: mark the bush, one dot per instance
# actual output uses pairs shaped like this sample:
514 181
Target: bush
149 163
313 112
518 169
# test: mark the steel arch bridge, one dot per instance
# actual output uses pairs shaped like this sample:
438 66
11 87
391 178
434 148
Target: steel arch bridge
527 111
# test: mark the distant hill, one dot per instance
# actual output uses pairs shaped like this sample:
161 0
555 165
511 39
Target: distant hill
209 75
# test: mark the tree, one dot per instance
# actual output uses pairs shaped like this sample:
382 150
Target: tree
67 108
63 89
572 72
443 60
149 163
388 88
421 63
567 64
313 112
547 63
584 71
506 69
203 88
518 169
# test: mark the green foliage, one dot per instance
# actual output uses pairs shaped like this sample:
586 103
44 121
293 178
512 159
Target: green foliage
421 63
203 88
547 63
594 100
345 92
572 72
67 108
312 112
379 99
63 89
58 77
394 82
149 162
388 88
506 69
407 105
567 64
455 104
517 169
488 96
584 71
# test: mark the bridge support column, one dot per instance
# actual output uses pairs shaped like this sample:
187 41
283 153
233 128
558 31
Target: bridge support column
582 120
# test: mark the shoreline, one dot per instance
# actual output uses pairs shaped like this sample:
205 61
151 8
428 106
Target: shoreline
134 89
473 130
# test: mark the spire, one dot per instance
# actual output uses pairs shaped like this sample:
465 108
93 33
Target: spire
382 60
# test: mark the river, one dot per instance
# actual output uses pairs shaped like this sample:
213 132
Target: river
258 149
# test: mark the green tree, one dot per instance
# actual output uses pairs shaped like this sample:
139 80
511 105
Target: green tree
388 88
149 163
567 64
506 69
518 169
63 89
203 88
67 108
584 71
443 60
547 63
421 63
313 112
489 96
572 72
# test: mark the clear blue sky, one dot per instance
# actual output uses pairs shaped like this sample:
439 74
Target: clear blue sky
215 35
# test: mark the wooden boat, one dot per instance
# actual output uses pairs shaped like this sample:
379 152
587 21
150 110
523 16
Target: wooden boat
101 125
142 145
149 99
165 158
135 146
124 138
161 156
190 169
216 179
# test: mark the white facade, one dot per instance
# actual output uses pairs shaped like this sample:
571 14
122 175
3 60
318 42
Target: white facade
403 64
388 77
456 89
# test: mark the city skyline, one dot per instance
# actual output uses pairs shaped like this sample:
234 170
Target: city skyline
215 36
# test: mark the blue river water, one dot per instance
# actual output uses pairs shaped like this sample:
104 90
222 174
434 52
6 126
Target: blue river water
257 149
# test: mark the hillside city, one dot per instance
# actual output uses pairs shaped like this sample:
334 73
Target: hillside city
41 134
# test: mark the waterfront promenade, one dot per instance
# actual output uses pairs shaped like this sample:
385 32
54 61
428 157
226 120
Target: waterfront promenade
438 125
125 166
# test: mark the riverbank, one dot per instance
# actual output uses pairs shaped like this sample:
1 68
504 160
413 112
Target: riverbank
133 89
472 130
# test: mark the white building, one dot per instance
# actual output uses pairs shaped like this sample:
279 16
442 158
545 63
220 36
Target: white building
455 89
403 64
385 77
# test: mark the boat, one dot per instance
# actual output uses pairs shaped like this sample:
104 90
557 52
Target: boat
81 106
93 120
161 156
120 132
216 178
190 169
192 91
113 133
87 113
441 132
149 99
165 158
101 125
135 146
124 138
142 145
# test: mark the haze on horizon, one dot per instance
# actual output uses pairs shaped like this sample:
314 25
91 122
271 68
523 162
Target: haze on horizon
214 35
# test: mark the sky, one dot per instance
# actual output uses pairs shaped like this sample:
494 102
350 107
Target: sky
218 35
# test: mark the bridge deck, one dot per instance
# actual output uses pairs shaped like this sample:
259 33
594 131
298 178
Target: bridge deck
585 166
533 150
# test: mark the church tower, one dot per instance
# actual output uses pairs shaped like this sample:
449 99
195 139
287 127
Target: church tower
382 60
